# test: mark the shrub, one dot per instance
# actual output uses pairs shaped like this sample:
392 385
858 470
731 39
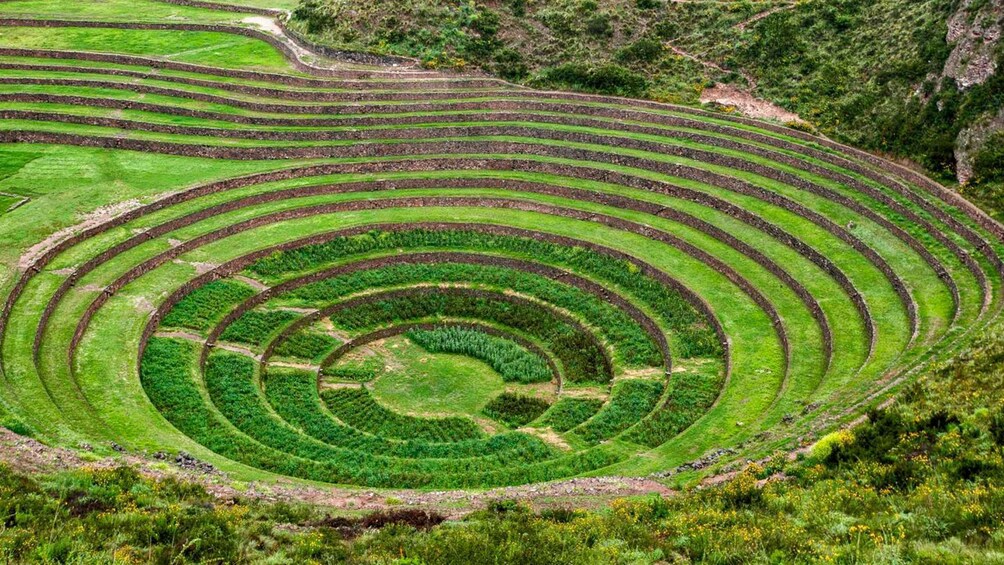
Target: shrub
604 79
822 449
515 410
599 25
510 65
642 51
517 7
16 426
988 163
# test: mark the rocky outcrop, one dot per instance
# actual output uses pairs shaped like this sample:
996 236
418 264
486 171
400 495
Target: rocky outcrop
974 31
971 140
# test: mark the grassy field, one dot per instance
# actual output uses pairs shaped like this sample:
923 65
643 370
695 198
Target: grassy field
227 259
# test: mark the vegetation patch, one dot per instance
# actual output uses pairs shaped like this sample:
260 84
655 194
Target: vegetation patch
511 360
515 410
356 407
207 305
569 412
630 401
416 381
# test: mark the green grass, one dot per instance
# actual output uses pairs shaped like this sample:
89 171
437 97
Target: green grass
359 367
207 305
202 48
630 401
357 408
423 383
307 344
569 412
116 10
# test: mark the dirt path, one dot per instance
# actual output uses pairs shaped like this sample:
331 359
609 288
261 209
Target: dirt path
741 26
312 59
253 283
742 99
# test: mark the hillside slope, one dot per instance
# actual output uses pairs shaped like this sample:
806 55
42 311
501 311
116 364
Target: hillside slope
917 80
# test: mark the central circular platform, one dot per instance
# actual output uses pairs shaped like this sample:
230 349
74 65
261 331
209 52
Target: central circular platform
416 382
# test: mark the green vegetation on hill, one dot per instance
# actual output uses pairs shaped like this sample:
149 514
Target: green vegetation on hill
871 73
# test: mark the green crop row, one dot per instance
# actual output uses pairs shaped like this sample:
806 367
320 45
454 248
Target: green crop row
293 394
255 327
358 370
306 344
230 380
670 306
629 402
511 360
629 340
168 373
690 395
569 412
207 305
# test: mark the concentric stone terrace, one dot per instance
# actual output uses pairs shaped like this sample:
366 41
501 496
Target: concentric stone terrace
469 283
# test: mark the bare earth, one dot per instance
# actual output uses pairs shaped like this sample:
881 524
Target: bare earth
746 103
